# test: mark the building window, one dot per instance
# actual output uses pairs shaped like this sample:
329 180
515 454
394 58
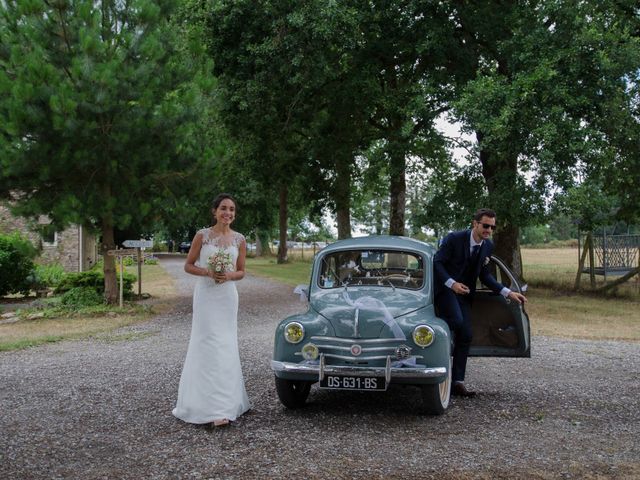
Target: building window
49 236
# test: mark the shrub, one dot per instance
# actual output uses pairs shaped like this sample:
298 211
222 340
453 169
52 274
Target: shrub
534 234
151 260
130 261
92 278
49 275
36 283
16 263
79 297
160 246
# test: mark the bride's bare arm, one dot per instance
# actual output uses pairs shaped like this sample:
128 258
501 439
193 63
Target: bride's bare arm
242 256
194 252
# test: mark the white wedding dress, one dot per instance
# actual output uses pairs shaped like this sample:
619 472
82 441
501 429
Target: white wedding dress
212 385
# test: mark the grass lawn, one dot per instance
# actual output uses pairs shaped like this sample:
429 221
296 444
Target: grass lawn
557 312
556 268
581 316
292 273
45 325
553 311
552 267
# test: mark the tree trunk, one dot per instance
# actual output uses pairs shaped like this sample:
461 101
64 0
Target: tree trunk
282 222
108 243
397 191
378 216
496 171
343 218
507 241
258 245
342 196
262 243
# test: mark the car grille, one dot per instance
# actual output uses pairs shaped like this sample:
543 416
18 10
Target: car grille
360 350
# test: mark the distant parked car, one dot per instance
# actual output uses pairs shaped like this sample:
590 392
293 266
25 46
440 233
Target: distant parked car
184 247
371 322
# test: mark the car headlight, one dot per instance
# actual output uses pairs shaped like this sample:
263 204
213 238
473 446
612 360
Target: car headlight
423 335
293 332
310 352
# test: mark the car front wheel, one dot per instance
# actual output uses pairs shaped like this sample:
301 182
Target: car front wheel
435 397
292 393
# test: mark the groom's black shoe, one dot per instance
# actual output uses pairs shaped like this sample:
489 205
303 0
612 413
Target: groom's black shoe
459 390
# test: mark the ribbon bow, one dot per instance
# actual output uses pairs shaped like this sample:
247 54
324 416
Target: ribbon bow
375 305
302 291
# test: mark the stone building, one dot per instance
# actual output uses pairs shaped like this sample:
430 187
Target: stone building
74 248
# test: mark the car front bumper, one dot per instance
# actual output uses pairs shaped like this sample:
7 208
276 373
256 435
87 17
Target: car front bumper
319 370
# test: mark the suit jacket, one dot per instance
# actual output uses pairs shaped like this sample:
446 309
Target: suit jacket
451 260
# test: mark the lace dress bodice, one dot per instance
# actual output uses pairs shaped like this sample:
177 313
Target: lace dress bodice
212 244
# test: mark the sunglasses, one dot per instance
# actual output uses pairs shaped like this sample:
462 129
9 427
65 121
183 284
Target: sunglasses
486 226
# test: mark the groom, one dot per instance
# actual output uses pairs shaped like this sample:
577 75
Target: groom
460 261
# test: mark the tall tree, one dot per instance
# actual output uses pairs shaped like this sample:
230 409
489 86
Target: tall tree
370 197
273 65
93 101
339 76
534 84
403 50
341 136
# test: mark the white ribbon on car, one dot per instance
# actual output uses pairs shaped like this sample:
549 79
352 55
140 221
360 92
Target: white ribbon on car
405 362
374 305
300 290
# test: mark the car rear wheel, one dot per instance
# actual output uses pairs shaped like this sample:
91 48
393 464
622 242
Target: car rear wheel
435 397
292 393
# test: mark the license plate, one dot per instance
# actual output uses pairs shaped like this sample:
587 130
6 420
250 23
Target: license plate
346 382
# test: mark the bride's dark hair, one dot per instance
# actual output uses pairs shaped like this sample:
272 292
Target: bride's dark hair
218 200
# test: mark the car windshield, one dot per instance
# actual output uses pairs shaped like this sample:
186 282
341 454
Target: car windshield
384 268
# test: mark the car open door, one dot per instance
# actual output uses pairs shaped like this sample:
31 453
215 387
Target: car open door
500 325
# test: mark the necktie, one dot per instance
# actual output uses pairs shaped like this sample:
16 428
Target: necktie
474 252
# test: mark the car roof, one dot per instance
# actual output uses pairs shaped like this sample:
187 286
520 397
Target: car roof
380 241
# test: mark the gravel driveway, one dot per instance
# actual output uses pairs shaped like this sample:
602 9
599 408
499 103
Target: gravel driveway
101 408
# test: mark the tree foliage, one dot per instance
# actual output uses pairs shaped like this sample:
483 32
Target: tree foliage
271 64
95 103
16 264
312 105
543 85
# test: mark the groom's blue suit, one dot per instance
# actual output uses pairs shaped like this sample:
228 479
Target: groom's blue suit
454 260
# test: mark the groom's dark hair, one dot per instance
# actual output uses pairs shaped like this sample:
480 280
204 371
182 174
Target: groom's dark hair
481 212
218 200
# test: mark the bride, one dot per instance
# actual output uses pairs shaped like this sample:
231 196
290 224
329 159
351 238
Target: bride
211 386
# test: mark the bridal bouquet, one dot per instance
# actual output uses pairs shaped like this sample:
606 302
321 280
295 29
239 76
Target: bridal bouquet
220 262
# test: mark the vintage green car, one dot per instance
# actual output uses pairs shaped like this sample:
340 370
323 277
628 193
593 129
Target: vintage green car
371 322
